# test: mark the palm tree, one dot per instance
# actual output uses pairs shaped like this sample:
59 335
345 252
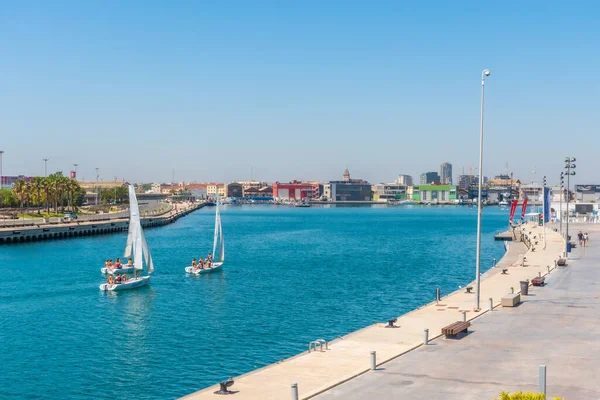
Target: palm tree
72 188
20 191
34 187
46 186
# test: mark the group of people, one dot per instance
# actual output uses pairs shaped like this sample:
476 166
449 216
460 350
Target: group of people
583 239
118 278
201 264
117 264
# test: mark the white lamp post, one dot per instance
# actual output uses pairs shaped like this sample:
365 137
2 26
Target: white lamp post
484 74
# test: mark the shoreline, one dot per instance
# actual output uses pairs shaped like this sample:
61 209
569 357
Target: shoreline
347 356
27 234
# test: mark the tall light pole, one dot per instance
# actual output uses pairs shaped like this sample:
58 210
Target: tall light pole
562 194
568 166
1 176
484 74
75 169
45 166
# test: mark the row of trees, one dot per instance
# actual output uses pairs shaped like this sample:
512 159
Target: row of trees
53 191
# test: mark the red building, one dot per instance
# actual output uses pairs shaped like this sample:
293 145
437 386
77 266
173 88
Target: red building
296 190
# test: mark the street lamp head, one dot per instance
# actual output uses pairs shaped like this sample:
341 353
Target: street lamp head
573 159
486 72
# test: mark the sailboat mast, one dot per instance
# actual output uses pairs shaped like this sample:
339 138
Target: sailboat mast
217 222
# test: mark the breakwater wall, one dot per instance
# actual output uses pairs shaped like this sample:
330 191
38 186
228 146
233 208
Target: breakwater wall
36 233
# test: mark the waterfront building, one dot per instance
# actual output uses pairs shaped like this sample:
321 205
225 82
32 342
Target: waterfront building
435 193
349 189
533 191
389 191
155 188
446 173
252 184
466 181
429 178
6 182
405 180
234 190
296 190
587 193
504 181
213 188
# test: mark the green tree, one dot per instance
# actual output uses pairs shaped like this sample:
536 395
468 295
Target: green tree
7 198
19 190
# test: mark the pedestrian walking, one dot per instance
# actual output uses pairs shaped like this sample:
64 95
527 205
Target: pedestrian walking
580 237
585 239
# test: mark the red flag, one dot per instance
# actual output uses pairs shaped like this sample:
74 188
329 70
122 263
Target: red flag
524 208
513 208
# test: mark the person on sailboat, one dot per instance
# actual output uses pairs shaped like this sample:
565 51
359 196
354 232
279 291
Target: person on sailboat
200 264
110 280
124 277
194 264
130 262
209 260
118 264
118 279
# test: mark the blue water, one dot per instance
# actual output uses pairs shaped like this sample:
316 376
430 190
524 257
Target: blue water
292 275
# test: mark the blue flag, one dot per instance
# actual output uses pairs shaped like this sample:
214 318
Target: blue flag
546 204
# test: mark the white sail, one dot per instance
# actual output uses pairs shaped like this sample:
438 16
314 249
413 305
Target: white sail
147 255
133 212
222 255
137 250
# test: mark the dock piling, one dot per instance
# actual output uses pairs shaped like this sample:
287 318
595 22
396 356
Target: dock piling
491 304
426 337
294 391
373 360
512 290
437 294
464 313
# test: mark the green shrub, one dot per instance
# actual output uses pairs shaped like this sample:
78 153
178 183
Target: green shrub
524 396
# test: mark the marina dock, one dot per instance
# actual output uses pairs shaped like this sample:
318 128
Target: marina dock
22 234
345 358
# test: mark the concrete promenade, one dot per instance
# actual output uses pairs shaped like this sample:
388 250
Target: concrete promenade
14 235
557 325
349 356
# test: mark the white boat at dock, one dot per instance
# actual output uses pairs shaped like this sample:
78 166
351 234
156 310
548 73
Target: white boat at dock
136 246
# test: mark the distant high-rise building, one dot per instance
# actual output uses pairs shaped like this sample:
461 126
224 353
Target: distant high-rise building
466 181
430 177
406 180
446 173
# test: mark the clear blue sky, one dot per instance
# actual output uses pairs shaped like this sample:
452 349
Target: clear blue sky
298 90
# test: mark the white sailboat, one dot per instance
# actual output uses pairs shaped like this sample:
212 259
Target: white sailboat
218 243
136 246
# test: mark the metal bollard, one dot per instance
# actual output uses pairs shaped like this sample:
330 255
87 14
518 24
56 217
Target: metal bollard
491 304
437 294
512 290
494 262
539 274
542 380
548 268
373 360
426 338
464 313
294 391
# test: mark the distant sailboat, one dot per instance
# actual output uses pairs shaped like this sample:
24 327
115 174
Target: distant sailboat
218 244
136 245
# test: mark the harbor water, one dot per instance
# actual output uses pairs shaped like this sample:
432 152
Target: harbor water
291 275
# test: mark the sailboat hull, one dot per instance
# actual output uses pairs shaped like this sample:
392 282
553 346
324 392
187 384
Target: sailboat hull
133 283
202 271
112 271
